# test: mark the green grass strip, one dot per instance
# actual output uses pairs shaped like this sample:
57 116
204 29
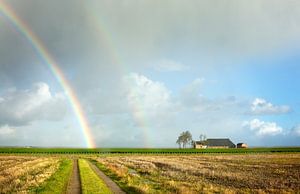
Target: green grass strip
58 182
90 182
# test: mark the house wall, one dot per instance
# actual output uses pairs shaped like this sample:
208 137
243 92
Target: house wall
200 146
218 147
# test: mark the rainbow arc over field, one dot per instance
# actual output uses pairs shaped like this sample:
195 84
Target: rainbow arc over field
106 36
9 14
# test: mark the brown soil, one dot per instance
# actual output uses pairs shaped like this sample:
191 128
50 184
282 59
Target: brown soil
110 184
74 186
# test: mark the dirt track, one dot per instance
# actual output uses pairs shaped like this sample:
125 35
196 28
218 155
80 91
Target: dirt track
74 186
110 184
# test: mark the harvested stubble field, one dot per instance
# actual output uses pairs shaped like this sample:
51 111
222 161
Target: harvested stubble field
225 173
20 174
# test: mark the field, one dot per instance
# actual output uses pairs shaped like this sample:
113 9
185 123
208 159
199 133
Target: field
249 173
58 182
272 171
21 174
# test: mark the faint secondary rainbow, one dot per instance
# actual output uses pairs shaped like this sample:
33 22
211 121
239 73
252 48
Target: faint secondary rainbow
39 47
105 35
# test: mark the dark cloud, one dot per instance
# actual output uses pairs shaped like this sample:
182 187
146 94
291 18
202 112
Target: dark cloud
89 38
98 44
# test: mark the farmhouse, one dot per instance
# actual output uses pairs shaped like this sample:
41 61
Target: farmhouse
241 145
214 143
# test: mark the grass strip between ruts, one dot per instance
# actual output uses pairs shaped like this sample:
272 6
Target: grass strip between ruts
90 182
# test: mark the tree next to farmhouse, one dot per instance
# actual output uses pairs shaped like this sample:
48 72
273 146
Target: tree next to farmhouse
184 139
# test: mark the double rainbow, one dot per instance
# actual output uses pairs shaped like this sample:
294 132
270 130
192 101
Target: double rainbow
107 39
8 13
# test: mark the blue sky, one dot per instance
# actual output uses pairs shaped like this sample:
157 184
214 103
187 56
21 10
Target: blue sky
146 71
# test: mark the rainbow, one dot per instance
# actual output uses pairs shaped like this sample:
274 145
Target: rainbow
106 38
41 50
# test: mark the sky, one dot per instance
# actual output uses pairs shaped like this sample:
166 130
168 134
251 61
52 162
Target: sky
138 73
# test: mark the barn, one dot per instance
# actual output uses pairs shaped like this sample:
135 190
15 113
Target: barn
214 143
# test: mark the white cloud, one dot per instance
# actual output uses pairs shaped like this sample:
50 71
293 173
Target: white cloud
195 86
262 128
133 93
150 105
144 94
6 130
20 107
261 106
168 65
191 97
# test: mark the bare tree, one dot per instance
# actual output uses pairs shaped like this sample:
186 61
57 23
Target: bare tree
180 140
187 138
184 139
202 137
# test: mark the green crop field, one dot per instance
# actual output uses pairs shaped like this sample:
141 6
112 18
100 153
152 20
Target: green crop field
33 150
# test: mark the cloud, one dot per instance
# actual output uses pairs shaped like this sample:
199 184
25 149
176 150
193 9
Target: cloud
194 86
149 105
20 107
6 130
141 107
296 130
149 30
168 65
262 128
231 30
134 92
190 95
108 39
145 95
262 107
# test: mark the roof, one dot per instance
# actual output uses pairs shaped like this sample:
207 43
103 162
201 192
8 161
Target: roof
217 142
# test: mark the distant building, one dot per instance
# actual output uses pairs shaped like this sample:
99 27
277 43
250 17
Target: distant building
199 145
214 143
241 145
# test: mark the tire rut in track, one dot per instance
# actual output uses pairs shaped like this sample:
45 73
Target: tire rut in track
74 186
110 184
